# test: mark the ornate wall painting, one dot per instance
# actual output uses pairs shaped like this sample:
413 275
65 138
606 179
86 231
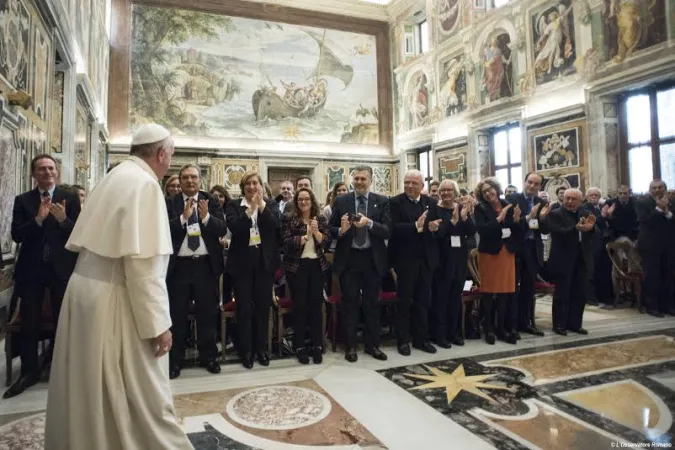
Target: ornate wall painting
448 15
381 180
98 62
233 77
632 25
233 175
452 95
452 165
554 42
334 175
418 101
15 23
497 71
41 63
57 113
557 150
553 182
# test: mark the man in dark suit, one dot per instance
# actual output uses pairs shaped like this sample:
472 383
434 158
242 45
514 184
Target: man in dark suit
572 228
413 253
560 194
252 260
600 278
197 222
530 255
656 248
42 221
622 215
361 223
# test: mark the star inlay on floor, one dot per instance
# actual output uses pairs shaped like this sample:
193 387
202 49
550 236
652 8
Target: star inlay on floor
455 382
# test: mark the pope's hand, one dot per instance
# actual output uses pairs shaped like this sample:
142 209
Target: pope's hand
162 343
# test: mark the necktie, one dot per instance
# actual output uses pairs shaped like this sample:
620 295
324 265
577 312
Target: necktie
46 252
193 241
360 234
530 203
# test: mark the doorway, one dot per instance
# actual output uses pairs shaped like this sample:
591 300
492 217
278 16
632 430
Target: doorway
278 174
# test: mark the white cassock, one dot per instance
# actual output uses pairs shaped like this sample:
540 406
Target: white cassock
107 390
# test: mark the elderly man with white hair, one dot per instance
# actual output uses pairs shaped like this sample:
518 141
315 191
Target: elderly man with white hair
572 228
600 277
413 253
109 386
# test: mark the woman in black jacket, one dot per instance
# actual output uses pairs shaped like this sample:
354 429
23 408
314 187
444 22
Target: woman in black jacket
500 231
452 226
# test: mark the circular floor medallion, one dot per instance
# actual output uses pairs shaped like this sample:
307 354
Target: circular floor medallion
278 407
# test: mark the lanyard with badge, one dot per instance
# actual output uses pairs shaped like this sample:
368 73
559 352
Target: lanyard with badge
193 229
254 232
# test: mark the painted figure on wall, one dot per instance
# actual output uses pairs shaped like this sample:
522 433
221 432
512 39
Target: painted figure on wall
554 47
448 15
203 74
453 87
419 101
497 80
632 25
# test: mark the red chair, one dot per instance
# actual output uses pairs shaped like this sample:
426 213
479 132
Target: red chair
229 311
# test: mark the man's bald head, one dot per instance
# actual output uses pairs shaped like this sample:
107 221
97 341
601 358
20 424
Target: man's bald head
572 199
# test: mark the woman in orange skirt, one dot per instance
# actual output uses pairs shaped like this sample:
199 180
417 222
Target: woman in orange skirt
499 230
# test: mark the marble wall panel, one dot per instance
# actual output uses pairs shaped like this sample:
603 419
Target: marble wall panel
452 165
8 184
82 146
15 26
57 113
42 72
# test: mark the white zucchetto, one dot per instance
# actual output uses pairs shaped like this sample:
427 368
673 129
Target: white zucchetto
149 134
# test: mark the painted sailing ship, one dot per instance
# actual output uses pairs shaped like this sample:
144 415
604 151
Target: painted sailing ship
304 101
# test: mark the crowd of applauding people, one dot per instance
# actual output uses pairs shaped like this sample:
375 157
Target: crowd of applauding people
424 241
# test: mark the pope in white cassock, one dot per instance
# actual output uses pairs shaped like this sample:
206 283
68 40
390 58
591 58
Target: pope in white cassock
109 384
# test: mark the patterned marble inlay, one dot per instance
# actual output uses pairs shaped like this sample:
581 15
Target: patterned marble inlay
278 407
547 428
25 434
561 364
626 402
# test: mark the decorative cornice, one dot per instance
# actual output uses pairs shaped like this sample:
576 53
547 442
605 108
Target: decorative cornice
352 8
398 7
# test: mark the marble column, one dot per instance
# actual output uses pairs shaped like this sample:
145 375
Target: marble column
480 167
603 166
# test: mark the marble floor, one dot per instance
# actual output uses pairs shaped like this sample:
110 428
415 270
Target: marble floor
613 388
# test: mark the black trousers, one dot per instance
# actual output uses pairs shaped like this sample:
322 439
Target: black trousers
569 298
193 280
414 301
497 313
527 268
253 294
307 293
360 286
658 282
600 278
32 295
446 310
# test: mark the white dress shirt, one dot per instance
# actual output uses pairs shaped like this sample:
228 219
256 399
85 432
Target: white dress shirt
184 249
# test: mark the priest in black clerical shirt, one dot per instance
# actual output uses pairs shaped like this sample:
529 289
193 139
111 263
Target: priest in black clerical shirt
572 230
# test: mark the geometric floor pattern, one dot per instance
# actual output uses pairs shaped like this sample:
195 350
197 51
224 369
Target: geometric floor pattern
614 388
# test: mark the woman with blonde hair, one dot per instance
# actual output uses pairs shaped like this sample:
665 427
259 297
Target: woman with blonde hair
253 258
500 231
172 186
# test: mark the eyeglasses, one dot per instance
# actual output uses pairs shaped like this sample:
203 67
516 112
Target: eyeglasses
304 200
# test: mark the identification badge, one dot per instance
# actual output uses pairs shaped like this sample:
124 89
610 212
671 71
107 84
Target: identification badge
455 242
194 230
534 224
506 233
254 238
